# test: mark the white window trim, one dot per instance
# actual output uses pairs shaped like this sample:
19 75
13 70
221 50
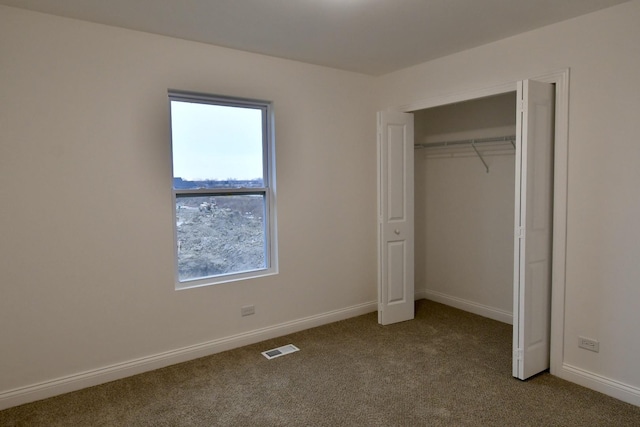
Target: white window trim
268 189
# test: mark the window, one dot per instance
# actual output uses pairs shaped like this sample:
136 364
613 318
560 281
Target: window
223 188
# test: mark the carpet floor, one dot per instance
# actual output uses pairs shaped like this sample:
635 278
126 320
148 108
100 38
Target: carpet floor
445 368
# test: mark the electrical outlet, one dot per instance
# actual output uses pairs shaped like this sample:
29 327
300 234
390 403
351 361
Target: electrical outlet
248 310
589 344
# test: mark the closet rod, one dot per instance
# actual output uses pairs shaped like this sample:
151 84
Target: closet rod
472 142
510 138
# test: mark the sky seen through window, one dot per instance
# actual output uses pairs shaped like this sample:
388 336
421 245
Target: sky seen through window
215 142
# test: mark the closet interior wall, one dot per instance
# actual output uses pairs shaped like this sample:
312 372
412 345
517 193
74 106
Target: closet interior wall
464 215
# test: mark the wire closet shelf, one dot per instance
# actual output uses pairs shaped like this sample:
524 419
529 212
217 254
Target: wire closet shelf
471 142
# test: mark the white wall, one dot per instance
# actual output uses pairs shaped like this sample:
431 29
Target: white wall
603 52
464 215
86 255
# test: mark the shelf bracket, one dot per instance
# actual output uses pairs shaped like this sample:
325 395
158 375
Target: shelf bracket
473 144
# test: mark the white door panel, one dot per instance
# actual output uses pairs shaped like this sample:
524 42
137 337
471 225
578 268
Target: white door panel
395 234
533 221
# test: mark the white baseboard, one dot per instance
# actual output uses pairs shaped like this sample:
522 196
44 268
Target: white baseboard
621 391
117 371
470 306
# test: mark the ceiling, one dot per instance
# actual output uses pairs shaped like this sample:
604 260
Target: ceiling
367 36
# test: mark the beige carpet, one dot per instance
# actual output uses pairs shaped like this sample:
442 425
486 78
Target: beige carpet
446 368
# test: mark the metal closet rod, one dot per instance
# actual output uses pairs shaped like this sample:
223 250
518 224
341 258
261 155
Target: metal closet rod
473 142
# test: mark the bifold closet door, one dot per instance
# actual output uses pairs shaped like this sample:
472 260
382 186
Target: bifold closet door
395 218
533 228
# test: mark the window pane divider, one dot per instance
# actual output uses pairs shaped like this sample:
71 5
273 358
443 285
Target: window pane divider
219 191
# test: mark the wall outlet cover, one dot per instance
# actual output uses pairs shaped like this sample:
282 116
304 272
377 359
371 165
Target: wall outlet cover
589 344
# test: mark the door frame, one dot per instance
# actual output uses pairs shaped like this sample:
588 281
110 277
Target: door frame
560 79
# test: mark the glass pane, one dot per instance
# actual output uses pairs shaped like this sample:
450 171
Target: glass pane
220 235
216 146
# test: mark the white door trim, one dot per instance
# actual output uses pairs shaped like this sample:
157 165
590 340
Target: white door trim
452 98
558 280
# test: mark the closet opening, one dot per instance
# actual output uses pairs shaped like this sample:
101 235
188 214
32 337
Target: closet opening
465 215
464 179
483 236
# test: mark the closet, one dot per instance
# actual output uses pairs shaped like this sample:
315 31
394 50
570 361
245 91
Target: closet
472 217
464 178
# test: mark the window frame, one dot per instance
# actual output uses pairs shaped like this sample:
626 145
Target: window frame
267 190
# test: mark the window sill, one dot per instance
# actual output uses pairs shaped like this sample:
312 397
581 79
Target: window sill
210 281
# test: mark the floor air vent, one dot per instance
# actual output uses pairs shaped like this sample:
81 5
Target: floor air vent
280 351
